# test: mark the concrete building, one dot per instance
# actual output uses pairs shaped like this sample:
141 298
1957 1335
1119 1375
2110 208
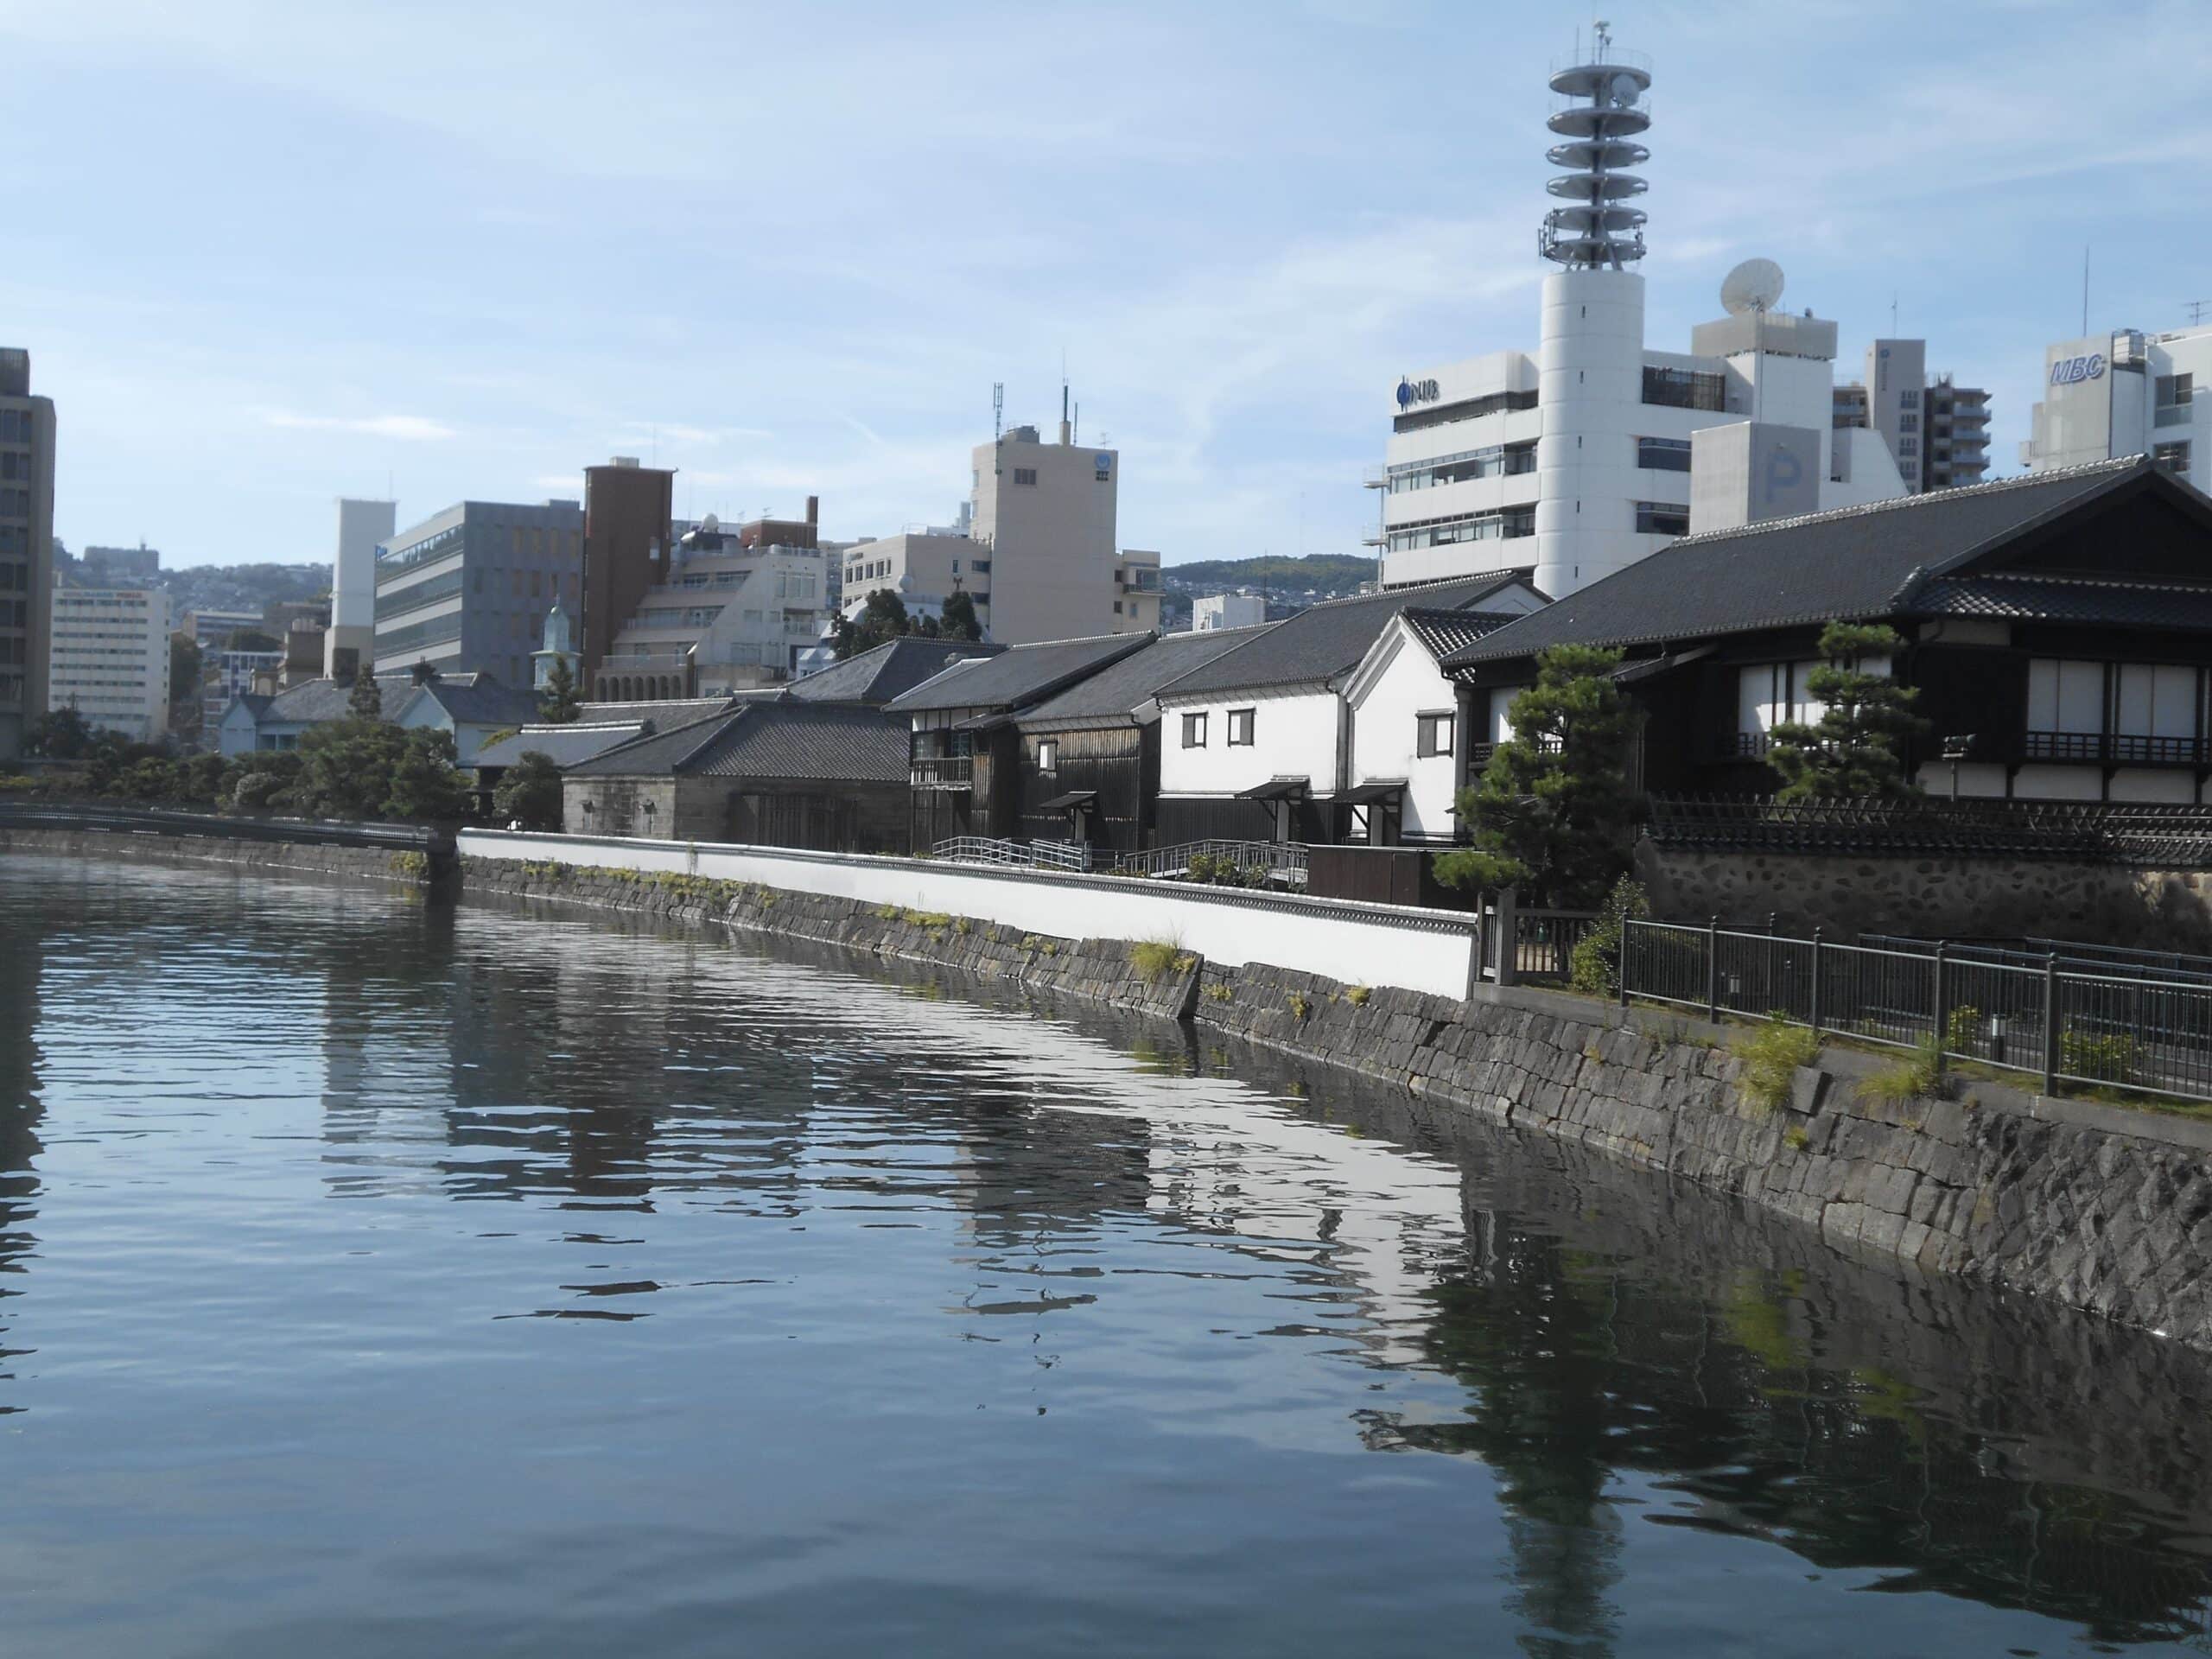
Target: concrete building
924 567
228 675
467 590
2128 393
1218 611
209 629
1937 430
349 645
1042 517
27 432
1575 459
120 567
111 658
628 530
734 610
1136 592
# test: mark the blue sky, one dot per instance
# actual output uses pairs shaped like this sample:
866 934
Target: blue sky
264 255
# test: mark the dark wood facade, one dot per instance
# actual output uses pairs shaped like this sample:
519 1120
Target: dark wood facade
1120 765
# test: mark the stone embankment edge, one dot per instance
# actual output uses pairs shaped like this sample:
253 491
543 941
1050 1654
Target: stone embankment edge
2093 1206
360 863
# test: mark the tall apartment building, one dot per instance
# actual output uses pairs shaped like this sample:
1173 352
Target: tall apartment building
1575 459
26 548
349 643
111 658
467 590
1042 517
629 529
1937 430
2125 393
735 611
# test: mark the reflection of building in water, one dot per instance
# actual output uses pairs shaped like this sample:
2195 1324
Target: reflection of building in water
385 1038
20 1108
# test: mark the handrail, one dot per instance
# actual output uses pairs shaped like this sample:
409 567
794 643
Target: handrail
1032 855
1286 859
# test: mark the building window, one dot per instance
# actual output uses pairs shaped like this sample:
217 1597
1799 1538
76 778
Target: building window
1241 721
1685 389
1048 754
1663 454
1908 423
1117 607
1433 735
1908 446
2174 457
1026 476
1909 398
1661 519
1194 731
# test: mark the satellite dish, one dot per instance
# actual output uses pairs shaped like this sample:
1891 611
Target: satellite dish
1755 286
711 524
1621 91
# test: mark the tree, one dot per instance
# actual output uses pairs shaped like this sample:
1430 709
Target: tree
208 779
1553 808
557 702
960 621
529 793
882 617
345 768
64 735
187 663
252 640
1855 749
424 783
366 700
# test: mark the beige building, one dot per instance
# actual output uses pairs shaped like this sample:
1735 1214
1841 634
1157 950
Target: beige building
731 614
1136 592
26 548
111 658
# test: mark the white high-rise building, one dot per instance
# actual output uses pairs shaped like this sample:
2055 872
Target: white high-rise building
2128 393
350 645
111 659
1575 460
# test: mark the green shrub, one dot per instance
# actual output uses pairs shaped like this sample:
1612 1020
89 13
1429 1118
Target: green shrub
1962 1029
1595 966
1357 995
1219 992
414 865
1154 957
1772 1055
1920 1077
2109 1057
932 918
1299 1006
887 912
1797 1140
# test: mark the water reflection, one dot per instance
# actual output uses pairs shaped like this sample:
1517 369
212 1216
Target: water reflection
864 1212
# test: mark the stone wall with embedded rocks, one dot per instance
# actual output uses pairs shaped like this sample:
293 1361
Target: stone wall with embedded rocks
1962 898
360 863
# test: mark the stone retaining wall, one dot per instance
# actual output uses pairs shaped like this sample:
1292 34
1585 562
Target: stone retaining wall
2093 1207
362 863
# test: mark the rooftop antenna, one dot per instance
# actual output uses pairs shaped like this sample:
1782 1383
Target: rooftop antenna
2196 309
1893 313
1598 230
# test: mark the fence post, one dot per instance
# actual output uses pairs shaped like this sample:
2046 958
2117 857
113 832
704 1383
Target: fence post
1943 1011
1712 970
1481 935
1620 972
2050 1024
1509 942
1816 981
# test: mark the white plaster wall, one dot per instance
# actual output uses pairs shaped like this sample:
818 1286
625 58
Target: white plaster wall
1385 732
2143 783
1293 737
1978 780
1372 944
2058 783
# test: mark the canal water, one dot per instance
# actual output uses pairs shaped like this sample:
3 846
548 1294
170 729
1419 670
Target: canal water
380 1277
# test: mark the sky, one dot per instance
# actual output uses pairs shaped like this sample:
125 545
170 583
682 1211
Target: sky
264 255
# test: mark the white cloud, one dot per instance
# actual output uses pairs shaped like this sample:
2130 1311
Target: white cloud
407 429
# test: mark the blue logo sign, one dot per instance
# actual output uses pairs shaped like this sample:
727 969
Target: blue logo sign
1102 462
1416 392
2067 371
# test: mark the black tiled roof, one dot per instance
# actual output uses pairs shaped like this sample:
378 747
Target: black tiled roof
564 746
1118 694
1329 638
1852 562
1020 675
2058 599
662 716
835 742
315 700
1445 631
881 674
475 700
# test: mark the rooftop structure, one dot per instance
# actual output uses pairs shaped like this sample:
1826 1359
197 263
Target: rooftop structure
2125 393
731 611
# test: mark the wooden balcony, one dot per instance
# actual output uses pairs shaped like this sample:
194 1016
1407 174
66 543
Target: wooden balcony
942 770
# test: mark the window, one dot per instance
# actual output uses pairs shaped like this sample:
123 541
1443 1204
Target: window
1467 409
1433 734
1117 607
1194 731
1661 519
1663 454
2174 457
1908 423
1240 727
1048 754
979 567
1909 398
1026 476
1685 389
1908 446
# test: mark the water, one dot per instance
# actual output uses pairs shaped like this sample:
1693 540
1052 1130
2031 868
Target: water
379 1277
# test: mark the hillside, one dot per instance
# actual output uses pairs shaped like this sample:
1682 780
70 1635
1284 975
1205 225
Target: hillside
1317 576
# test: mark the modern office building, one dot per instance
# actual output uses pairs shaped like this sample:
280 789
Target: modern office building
1042 517
2128 393
26 431
628 531
735 611
924 567
111 658
226 675
349 644
1218 611
209 629
1937 430
1575 459
467 590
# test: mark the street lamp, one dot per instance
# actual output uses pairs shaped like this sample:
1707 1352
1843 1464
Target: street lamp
1955 749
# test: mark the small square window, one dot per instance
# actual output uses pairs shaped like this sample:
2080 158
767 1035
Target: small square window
1048 754
1240 727
1194 731
1433 735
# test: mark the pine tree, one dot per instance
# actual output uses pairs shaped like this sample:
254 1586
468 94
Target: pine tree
366 700
1856 749
557 702
960 621
1554 809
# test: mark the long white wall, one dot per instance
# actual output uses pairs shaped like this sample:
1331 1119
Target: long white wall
1431 950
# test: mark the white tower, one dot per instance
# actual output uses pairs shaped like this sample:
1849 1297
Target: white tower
1590 361
350 645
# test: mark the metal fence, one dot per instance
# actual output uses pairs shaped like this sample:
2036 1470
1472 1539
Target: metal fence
2053 1018
119 820
1285 861
1020 855
2142 834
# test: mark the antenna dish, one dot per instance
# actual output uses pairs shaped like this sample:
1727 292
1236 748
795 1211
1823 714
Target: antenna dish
1755 286
711 524
1623 92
